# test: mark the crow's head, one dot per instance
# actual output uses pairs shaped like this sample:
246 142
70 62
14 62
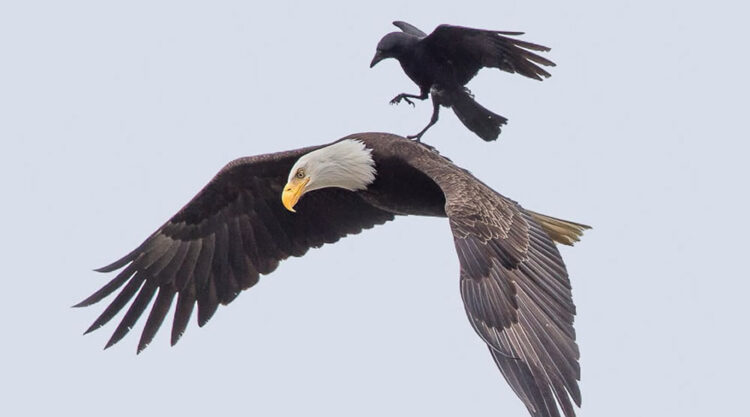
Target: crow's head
393 45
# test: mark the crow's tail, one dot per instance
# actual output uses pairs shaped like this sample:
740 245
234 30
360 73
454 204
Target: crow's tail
479 120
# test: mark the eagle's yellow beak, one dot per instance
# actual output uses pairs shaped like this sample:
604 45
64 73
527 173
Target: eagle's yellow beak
293 190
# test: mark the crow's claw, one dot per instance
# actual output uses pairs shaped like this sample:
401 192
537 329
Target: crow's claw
400 97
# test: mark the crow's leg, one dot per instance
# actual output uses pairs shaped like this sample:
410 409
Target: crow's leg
433 120
406 97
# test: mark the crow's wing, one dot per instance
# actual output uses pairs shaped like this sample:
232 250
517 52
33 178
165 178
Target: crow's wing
232 231
467 50
409 29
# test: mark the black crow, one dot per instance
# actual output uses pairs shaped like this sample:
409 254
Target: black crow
442 62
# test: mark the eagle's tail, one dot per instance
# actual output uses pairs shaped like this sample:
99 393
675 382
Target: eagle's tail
479 120
561 231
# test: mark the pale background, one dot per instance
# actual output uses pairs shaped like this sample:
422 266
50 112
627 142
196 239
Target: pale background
112 117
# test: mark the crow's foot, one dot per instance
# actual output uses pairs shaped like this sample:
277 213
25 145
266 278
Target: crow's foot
417 137
400 97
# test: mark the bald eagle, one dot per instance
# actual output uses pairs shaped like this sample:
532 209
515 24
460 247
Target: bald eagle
260 210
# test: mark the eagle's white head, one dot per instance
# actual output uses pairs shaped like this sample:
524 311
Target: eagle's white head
346 164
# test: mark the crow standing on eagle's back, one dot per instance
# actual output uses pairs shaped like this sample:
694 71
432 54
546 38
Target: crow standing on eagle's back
443 62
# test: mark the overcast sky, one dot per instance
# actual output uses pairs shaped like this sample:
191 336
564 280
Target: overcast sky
112 117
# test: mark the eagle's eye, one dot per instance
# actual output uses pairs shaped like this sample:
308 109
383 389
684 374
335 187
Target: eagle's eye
300 173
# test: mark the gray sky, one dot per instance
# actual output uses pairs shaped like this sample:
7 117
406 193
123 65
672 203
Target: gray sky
112 117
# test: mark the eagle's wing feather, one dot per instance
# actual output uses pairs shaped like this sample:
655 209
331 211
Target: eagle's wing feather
232 231
517 296
515 289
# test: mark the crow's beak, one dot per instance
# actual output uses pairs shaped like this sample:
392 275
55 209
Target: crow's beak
377 58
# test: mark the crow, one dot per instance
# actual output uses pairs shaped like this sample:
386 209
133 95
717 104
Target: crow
442 62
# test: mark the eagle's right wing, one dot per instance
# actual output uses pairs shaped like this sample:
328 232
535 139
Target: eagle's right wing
232 231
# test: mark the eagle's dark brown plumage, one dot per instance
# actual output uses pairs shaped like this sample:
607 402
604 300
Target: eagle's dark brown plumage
513 281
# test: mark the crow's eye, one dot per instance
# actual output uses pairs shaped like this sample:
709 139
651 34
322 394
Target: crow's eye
300 174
